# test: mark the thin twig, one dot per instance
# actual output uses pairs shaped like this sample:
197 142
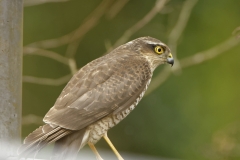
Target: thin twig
87 25
90 22
116 8
173 39
237 32
28 3
72 65
194 60
177 31
145 20
210 53
45 53
47 81
181 24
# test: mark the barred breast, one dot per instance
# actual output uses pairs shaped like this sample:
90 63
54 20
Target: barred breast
99 128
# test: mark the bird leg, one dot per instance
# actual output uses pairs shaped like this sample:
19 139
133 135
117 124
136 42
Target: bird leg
112 147
91 145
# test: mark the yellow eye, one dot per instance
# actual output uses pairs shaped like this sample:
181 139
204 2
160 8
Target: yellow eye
159 50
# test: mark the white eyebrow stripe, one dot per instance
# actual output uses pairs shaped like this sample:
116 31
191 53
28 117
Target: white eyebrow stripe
150 42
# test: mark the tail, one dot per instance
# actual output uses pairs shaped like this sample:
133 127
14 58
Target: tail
39 138
68 147
67 142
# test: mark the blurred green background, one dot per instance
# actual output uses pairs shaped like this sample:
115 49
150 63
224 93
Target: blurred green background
194 114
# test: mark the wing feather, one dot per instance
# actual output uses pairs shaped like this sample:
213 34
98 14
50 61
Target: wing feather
110 83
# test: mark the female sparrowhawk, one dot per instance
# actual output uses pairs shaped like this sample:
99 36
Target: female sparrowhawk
98 97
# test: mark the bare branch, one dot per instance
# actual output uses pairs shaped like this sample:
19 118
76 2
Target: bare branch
181 24
45 53
72 65
32 119
74 39
194 60
90 22
210 53
87 25
178 30
28 3
145 20
116 8
53 55
237 32
47 81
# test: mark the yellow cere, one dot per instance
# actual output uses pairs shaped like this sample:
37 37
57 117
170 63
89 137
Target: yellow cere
159 50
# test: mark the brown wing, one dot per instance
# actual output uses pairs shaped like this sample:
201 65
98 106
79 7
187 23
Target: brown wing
102 86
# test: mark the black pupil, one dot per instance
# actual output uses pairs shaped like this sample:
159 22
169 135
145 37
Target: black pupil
159 49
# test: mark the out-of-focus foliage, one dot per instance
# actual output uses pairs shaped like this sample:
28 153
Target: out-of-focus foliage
194 114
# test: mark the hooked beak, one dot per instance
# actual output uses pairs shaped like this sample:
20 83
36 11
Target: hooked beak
170 59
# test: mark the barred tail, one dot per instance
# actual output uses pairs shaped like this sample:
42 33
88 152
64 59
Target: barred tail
68 147
39 138
67 142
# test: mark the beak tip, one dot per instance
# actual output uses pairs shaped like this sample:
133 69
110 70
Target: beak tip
170 61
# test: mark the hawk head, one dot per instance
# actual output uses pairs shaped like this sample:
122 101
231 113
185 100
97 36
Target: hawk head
155 51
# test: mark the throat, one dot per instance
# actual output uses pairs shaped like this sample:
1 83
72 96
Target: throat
153 62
